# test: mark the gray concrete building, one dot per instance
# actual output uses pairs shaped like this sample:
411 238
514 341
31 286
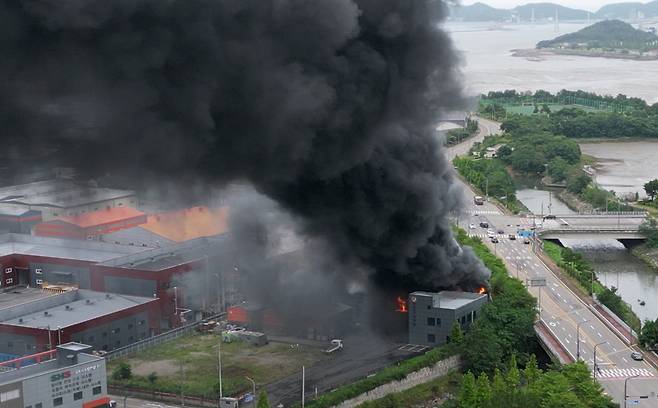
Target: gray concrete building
70 377
431 315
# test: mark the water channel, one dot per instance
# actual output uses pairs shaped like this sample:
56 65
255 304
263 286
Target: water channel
613 263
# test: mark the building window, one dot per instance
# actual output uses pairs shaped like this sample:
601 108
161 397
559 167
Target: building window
96 390
9 281
39 282
90 339
10 395
10 344
38 271
130 326
115 331
141 322
429 307
77 396
438 321
117 344
431 338
463 319
57 402
431 321
8 270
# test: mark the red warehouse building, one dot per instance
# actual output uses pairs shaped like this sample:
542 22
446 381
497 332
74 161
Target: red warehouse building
91 224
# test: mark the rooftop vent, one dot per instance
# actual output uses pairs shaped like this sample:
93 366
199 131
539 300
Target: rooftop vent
67 307
108 296
46 313
20 320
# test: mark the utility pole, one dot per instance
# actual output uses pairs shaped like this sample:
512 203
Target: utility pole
303 383
219 364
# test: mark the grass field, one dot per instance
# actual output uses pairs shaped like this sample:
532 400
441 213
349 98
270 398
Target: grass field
191 362
430 394
529 109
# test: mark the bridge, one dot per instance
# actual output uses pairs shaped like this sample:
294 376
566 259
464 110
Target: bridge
622 226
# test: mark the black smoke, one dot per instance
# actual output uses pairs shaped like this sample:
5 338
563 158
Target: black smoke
327 107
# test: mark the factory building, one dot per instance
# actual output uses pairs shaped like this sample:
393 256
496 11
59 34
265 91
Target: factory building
34 261
189 278
171 227
431 315
18 219
90 225
70 377
64 197
35 320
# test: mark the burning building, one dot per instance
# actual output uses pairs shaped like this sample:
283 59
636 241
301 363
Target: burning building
431 315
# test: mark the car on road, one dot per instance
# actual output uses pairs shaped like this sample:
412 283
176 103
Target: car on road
501 232
490 233
637 356
549 217
526 240
472 226
512 237
494 239
484 224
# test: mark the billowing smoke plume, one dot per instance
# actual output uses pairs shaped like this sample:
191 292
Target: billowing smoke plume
325 106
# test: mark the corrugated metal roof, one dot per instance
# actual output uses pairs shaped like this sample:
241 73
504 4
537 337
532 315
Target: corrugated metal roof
102 217
190 223
87 305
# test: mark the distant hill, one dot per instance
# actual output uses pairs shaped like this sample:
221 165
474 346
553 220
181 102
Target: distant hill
479 12
604 34
545 11
628 10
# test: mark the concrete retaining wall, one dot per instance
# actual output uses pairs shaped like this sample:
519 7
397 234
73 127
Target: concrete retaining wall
421 376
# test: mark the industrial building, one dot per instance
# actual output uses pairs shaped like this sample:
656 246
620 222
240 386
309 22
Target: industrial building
34 320
431 315
92 224
189 278
64 197
30 260
69 377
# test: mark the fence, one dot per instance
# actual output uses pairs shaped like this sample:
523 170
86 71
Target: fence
157 340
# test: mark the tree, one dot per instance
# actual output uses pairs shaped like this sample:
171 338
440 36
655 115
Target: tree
456 334
652 189
152 378
513 377
650 231
482 390
122 372
263 402
536 110
531 372
649 335
545 109
466 396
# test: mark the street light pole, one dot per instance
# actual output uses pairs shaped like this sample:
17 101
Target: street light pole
219 369
578 339
253 388
626 387
595 346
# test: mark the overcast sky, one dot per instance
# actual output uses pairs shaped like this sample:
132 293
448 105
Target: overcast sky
592 5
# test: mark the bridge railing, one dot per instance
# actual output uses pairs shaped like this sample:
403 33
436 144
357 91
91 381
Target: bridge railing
616 214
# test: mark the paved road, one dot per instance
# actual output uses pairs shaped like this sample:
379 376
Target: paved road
561 309
138 403
487 127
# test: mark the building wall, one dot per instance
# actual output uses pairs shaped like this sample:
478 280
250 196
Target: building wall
431 326
19 344
51 213
130 286
10 391
116 333
64 383
60 273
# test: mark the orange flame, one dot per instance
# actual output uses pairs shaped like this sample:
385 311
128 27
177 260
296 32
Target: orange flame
482 290
402 305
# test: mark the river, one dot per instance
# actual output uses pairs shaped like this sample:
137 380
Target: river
487 65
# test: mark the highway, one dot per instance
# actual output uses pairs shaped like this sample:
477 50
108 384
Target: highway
560 308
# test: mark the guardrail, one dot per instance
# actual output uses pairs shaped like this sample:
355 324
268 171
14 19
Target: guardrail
602 214
158 339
